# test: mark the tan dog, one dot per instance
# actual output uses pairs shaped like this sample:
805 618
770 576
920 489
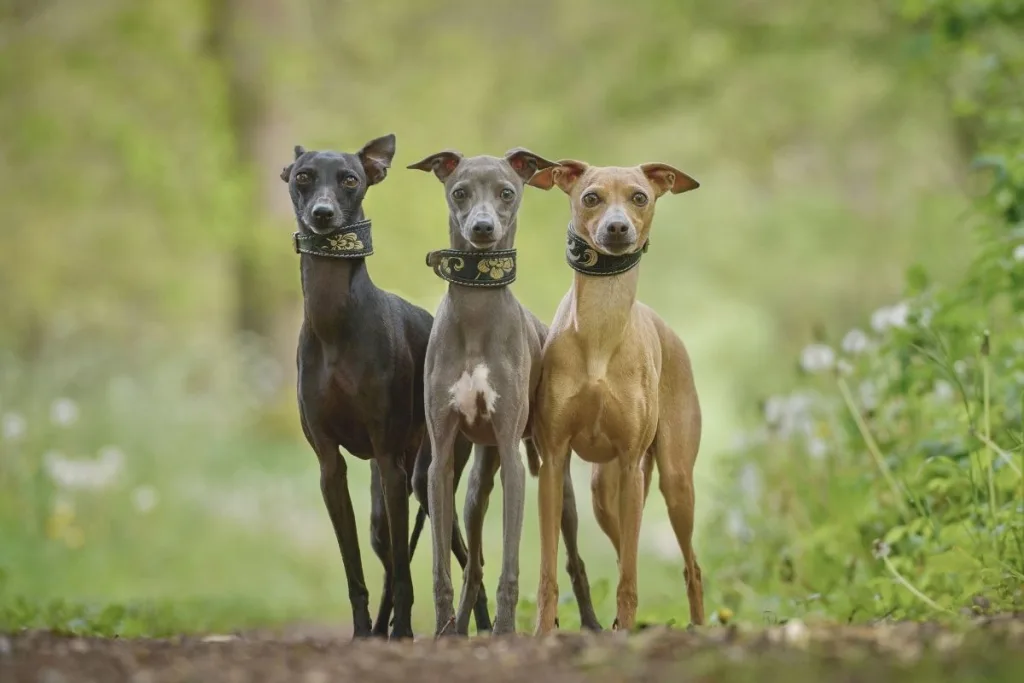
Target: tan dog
616 384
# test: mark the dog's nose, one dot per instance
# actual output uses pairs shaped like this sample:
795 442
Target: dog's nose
617 229
483 228
323 212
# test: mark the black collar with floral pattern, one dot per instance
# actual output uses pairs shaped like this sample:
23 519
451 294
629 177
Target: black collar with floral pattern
583 258
348 241
474 268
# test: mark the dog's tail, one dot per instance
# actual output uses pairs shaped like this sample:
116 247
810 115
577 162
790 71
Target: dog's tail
532 458
417 529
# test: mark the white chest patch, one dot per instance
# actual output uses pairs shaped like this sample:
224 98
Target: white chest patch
472 392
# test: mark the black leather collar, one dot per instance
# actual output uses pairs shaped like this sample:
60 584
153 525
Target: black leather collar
348 241
583 258
474 268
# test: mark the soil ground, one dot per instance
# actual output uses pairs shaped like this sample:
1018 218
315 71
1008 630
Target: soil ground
987 650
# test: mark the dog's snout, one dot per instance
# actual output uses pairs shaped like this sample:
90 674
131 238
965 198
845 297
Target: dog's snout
483 228
323 212
617 228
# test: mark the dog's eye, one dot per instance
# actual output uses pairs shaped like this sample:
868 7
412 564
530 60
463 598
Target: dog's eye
639 198
591 199
302 177
350 181
508 195
458 194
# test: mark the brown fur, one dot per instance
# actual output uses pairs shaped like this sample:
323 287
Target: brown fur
617 388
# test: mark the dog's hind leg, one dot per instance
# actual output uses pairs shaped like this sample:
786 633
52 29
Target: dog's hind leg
396 499
574 563
675 454
604 496
334 487
481 483
380 541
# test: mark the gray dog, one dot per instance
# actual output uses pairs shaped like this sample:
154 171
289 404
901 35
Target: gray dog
482 369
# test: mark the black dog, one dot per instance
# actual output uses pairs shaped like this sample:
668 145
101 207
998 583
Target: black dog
360 378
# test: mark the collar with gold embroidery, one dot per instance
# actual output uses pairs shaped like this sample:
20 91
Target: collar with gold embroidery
583 258
474 268
348 241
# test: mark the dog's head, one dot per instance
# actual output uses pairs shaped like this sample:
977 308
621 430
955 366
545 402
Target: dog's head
483 193
327 187
613 207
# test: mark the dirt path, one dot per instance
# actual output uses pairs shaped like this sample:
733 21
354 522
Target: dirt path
991 651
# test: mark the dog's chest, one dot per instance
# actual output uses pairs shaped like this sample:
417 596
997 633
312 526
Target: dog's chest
473 396
605 405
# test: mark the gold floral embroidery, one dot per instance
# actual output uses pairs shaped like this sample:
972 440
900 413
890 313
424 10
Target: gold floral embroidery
450 263
495 268
346 242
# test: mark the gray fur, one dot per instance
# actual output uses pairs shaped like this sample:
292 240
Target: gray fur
486 327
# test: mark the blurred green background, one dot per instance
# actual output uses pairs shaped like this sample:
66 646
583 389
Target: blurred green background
151 453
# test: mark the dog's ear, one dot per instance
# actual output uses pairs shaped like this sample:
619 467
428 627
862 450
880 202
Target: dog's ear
563 173
443 164
665 178
376 156
525 163
286 172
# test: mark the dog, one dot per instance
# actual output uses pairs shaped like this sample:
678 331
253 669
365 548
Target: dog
617 386
482 369
360 377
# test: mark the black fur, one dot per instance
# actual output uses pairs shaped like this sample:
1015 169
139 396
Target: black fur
360 384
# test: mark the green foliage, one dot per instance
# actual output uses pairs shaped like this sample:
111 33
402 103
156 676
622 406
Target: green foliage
131 191
890 482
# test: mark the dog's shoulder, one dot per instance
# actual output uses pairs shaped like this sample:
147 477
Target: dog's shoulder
673 350
414 320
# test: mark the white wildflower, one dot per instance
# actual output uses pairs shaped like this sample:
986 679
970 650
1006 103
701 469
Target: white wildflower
817 357
844 367
959 367
14 426
774 409
64 412
925 318
112 458
96 474
736 524
855 341
750 482
880 549
943 390
868 395
1018 252
817 448
145 498
890 316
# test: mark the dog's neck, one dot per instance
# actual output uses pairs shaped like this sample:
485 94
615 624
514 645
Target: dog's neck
331 288
601 307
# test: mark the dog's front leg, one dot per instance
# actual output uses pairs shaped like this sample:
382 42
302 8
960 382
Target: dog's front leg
554 461
481 483
334 486
441 497
513 484
631 508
